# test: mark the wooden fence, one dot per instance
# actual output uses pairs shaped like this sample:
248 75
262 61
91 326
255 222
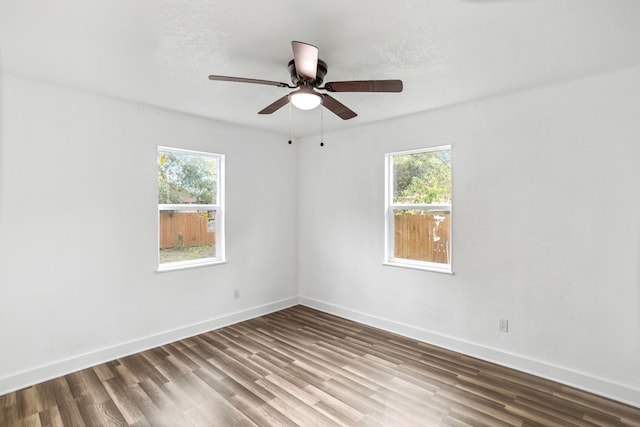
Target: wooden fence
192 226
422 237
419 237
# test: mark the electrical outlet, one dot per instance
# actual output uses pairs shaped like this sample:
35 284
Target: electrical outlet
503 325
236 293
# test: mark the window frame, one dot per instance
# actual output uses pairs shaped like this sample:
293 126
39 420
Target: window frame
389 212
218 207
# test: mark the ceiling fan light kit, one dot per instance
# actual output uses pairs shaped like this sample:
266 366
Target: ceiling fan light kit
307 74
305 98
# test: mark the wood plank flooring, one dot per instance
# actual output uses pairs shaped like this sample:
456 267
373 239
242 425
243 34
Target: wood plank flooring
302 367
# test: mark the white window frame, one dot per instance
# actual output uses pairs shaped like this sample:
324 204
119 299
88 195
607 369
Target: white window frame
391 207
217 208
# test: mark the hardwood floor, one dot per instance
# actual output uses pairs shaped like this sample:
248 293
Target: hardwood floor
302 367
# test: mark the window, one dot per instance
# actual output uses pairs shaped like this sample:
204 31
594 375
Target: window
190 208
418 209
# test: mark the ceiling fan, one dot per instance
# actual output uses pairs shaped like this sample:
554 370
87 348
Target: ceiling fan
307 74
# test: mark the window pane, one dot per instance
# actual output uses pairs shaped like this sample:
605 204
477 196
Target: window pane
186 178
187 235
422 178
422 235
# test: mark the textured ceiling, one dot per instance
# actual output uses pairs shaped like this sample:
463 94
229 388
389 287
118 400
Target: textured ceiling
160 52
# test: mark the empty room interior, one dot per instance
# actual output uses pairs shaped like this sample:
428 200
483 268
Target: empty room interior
500 138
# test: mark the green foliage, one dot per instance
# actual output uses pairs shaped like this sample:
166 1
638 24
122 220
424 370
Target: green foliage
186 178
422 177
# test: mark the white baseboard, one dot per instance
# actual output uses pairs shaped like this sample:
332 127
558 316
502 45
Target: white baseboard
39 374
619 392
603 387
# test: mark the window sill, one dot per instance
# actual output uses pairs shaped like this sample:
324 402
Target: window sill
446 269
188 265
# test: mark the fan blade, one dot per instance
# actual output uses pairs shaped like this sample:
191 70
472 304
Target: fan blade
338 108
305 56
243 80
365 86
272 108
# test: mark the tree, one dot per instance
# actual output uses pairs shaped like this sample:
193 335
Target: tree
186 178
422 177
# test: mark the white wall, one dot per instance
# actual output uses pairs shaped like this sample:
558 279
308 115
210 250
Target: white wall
546 231
78 230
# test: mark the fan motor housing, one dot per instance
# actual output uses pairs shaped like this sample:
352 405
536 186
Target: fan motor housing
321 71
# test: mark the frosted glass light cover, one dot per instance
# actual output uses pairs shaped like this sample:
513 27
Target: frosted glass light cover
305 100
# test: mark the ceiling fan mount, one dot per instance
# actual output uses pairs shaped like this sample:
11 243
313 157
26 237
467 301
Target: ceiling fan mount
307 75
321 71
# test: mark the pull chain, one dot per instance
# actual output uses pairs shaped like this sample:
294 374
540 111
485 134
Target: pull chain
321 126
289 123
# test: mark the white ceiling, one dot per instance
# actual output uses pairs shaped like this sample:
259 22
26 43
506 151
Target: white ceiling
160 52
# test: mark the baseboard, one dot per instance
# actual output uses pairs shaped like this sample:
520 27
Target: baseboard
603 387
62 367
619 392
